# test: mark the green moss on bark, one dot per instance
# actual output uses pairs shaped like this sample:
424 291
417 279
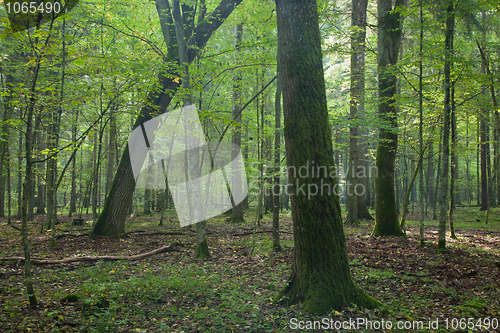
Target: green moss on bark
202 250
238 219
320 276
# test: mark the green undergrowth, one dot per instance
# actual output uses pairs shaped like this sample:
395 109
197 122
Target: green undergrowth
233 292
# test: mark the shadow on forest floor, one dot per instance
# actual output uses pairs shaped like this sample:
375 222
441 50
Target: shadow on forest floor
232 292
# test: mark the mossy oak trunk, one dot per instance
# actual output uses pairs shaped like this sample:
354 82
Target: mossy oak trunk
320 276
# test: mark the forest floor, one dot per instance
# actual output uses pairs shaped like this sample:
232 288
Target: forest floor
233 291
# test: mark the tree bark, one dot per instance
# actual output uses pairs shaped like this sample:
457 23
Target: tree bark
389 42
320 276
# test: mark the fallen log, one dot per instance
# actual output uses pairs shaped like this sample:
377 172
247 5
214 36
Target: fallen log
38 261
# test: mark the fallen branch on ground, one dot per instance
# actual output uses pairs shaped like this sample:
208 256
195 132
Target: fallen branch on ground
12 226
144 233
37 261
260 232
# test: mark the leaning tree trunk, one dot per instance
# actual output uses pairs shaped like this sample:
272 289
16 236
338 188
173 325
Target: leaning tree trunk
112 218
320 277
389 42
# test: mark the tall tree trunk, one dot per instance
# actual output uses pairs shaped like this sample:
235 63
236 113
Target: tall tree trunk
237 211
468 192
28 175
409 190
277 167
202 251
9 191
438 175
20 173
389 42
357 103
41 183
4 144
26 193
147 201
448 59
485 149
72 203
430 175
454 159
421 123
7 81
112 218
320 276
111 160
479 194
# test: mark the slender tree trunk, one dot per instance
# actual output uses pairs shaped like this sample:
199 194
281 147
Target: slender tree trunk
202 250
277 168
27 188
20 174
4 144
147 201
485 148
448 55
237 211
9 191
389 42
438 177
421 123
111 152
41 184
357 106
409 190
7 81
26 194
320 276
72 203
479 194
454 159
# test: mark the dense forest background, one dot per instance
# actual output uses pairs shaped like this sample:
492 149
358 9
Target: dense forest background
410 99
